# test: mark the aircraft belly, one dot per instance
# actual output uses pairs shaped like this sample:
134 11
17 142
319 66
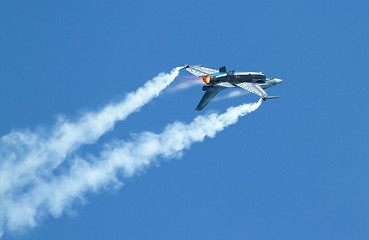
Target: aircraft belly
236 79
230 79
246 78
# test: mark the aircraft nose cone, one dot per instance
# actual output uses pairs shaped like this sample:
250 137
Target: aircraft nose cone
278 81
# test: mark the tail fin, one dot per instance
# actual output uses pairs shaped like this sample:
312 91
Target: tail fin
223 69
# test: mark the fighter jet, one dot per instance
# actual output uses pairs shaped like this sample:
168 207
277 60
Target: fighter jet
254 82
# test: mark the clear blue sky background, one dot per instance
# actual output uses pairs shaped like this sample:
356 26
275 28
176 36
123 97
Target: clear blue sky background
297 168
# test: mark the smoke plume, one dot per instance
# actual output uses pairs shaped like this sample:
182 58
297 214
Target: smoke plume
54 194
231 94
35 184
185 82
28 158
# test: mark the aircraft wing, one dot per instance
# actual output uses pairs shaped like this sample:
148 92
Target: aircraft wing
200 71
253 88
210 93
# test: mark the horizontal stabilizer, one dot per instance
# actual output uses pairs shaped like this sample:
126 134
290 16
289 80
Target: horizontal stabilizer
210 92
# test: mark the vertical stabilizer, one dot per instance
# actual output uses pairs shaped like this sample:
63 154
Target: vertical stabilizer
223 69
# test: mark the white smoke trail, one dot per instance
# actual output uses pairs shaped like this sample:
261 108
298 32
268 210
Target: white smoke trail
232 94
54 194
185 82
27 157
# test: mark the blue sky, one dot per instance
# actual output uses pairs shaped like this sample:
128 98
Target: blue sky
297 168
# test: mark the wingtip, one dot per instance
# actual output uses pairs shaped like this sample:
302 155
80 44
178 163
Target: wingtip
270 97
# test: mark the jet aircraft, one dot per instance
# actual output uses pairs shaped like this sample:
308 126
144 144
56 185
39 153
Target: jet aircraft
254 82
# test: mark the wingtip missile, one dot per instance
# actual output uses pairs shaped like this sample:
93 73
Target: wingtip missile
191 66
270 97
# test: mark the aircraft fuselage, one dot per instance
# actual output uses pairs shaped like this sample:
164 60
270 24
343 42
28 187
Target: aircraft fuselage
240 77
235 78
